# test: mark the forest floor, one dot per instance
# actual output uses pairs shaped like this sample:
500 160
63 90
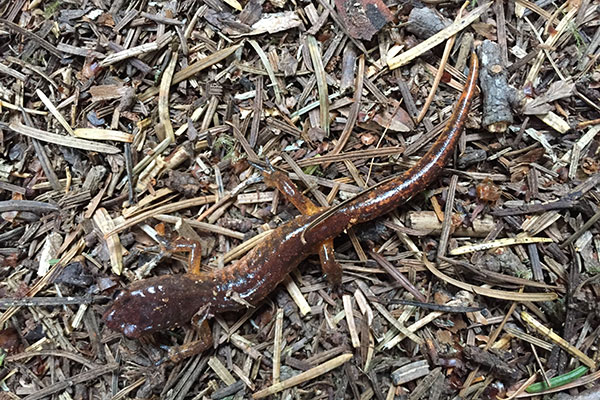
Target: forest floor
125 125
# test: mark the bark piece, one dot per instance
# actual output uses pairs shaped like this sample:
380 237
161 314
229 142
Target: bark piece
497 366
251 12
424 22
348 67
496 92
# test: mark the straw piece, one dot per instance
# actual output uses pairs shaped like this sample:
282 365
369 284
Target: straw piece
105 223
409 55
269 68
347 300
566 346
103 134
62 140
163 100
54 111
498 243
321 78
303 377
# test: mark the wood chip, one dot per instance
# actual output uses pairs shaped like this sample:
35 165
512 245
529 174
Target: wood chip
296 295
216 365
410 372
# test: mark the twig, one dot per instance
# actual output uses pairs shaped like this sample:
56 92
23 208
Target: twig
72 381
434 307
27 205
194 68
167 208
52 353
398 276
277 345
30 35
447 223
47 301
354 109
440 71
488 346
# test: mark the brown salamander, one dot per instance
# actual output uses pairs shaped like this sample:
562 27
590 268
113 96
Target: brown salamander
166 301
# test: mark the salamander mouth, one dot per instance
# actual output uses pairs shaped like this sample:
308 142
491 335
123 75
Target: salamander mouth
131 331
115 322
110 318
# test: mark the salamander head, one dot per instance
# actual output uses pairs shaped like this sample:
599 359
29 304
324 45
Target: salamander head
143 308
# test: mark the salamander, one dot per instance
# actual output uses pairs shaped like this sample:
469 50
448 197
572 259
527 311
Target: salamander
163 302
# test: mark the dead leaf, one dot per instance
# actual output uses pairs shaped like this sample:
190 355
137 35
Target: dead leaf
541 104
106 19
395 118
368 139
486 30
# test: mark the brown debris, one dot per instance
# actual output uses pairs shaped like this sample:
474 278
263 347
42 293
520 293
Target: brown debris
493 362
364 18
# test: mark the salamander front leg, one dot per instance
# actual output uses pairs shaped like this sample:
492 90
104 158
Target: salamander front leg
331 268
178 353
181 245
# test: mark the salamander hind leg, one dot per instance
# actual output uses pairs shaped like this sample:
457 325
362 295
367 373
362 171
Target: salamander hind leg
331 268
290 191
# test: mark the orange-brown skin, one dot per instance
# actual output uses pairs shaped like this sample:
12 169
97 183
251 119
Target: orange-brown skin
166 301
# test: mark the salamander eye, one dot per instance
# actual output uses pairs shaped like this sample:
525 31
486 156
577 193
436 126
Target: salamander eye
117 294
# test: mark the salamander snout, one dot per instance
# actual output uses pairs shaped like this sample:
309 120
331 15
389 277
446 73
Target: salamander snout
123 315
148 306
137 310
